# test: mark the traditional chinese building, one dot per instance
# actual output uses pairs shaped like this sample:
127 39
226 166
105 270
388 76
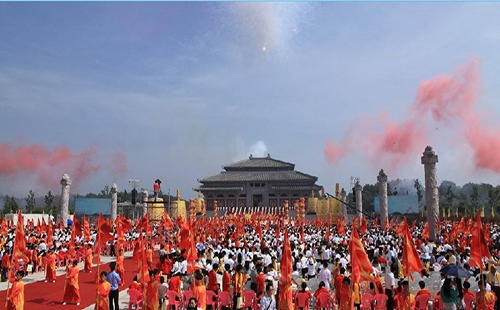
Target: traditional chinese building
257 181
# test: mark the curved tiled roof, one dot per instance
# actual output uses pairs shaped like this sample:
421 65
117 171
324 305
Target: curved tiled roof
255 176
257 163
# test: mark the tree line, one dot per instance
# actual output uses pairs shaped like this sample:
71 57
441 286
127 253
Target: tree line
465 199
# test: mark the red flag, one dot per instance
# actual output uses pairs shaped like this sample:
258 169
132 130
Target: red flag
362 269
104 234
355 223
78 226
286 275
375 224
479 245
86 229
144 225
50 232
185 236
192 255
364 226
461 226
413 225
453 234
341 226
120 236
5 227
411 260
38 227
470 226
139 256
258 230
167 222
277 230
126 223
487 232
44 225
20 251
425 233
71 250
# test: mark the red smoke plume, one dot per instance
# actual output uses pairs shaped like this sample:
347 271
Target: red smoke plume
447 98
334 153
49 165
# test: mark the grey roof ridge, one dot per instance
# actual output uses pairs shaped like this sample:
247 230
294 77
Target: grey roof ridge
253 157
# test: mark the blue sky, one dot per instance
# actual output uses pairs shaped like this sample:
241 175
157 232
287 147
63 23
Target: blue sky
182 88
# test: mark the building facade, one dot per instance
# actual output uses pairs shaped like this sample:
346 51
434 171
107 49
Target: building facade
257 182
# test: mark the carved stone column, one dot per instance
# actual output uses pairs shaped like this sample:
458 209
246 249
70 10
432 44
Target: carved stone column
382 196
66 184
429 160
145 202
114 201
359 202
343 197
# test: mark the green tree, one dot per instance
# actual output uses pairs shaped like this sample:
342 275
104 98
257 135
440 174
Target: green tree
105 192
389 190
418 187
367 196
474 198
449 196
493 198
49 199
11 205
30 202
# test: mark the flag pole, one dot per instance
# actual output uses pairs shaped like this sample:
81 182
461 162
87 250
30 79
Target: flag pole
97 282
8 283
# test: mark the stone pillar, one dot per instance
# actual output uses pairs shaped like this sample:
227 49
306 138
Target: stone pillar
343 197
359 201
66 184
145 202
382 196
429 160
114 201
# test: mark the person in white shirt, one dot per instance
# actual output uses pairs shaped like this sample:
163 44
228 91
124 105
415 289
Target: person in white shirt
390 284
311 268
326 276
268 302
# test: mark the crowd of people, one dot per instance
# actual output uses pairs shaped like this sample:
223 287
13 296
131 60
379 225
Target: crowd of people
236 254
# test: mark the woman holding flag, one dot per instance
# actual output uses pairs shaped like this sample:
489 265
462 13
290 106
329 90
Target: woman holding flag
15 300
71 288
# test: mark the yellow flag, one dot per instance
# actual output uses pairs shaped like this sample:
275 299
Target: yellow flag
493 211
482 212
456 212
449 212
